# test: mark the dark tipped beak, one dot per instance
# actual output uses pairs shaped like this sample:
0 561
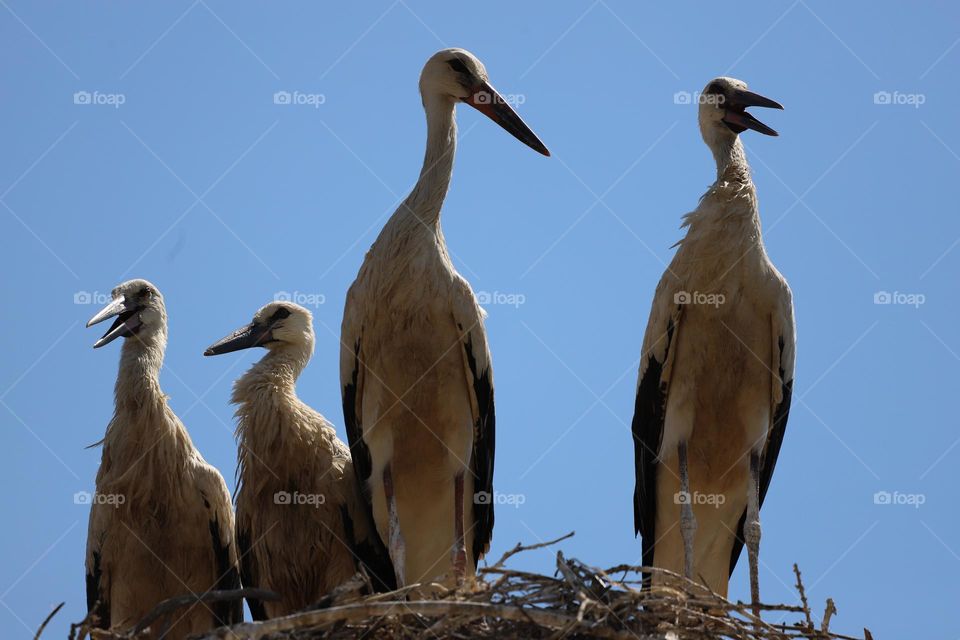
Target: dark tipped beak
252 335
487 101
737 117
126 324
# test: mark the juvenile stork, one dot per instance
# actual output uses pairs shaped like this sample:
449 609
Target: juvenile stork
414 363
161 524
302 528
717 369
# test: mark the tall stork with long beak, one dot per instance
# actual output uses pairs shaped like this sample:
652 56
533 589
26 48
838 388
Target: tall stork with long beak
716 372
161 523
302 528
414 363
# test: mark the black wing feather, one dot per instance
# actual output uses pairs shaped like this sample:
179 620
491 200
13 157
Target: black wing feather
248 574
484 445
774 440
96 602
649 413
228 579
371 555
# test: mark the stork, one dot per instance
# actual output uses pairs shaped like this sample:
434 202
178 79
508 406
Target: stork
161 523
414 362
302 528
716 372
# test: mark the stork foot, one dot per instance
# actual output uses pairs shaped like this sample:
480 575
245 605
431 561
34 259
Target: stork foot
751 532
459 551
395 544
688 522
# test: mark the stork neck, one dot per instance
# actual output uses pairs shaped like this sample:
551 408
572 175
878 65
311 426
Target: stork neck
731 159
426 199
280 369
138 381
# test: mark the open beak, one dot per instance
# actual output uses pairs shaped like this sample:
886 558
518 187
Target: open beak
126 324
252 335
487 101
739 120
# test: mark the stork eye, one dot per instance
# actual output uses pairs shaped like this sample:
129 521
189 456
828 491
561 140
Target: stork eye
457 65
714 88
280 314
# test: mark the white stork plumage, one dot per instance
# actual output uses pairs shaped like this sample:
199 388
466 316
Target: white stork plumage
414 363
717 369
162 523
302 528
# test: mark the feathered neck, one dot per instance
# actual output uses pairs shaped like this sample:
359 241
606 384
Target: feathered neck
731 160
425 201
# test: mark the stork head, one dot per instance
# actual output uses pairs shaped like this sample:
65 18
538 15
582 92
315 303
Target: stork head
458 76
723 114
139 311
278 326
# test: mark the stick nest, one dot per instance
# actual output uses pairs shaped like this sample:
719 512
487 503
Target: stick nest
578 602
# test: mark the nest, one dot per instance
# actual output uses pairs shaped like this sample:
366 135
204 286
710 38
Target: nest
578 602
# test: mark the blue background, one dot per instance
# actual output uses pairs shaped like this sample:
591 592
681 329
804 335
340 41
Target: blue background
202 184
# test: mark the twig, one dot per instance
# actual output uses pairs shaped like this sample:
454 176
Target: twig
803 597
522 547
827 614
43 625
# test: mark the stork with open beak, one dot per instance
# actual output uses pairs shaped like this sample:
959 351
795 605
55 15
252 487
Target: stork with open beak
414 362
161 523
302 528
716 372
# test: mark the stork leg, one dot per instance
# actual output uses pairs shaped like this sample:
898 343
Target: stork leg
459 559
394 537
688 523
751 530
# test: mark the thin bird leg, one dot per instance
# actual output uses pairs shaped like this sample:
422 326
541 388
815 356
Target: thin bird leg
751 530
459 549
395 538
688 523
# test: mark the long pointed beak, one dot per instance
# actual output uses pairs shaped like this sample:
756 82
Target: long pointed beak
252 335
127 322
736 115
487 101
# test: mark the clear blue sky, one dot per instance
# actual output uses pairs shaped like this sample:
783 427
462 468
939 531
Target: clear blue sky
199 182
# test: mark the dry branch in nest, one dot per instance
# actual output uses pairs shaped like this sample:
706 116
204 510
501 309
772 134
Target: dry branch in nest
578 602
